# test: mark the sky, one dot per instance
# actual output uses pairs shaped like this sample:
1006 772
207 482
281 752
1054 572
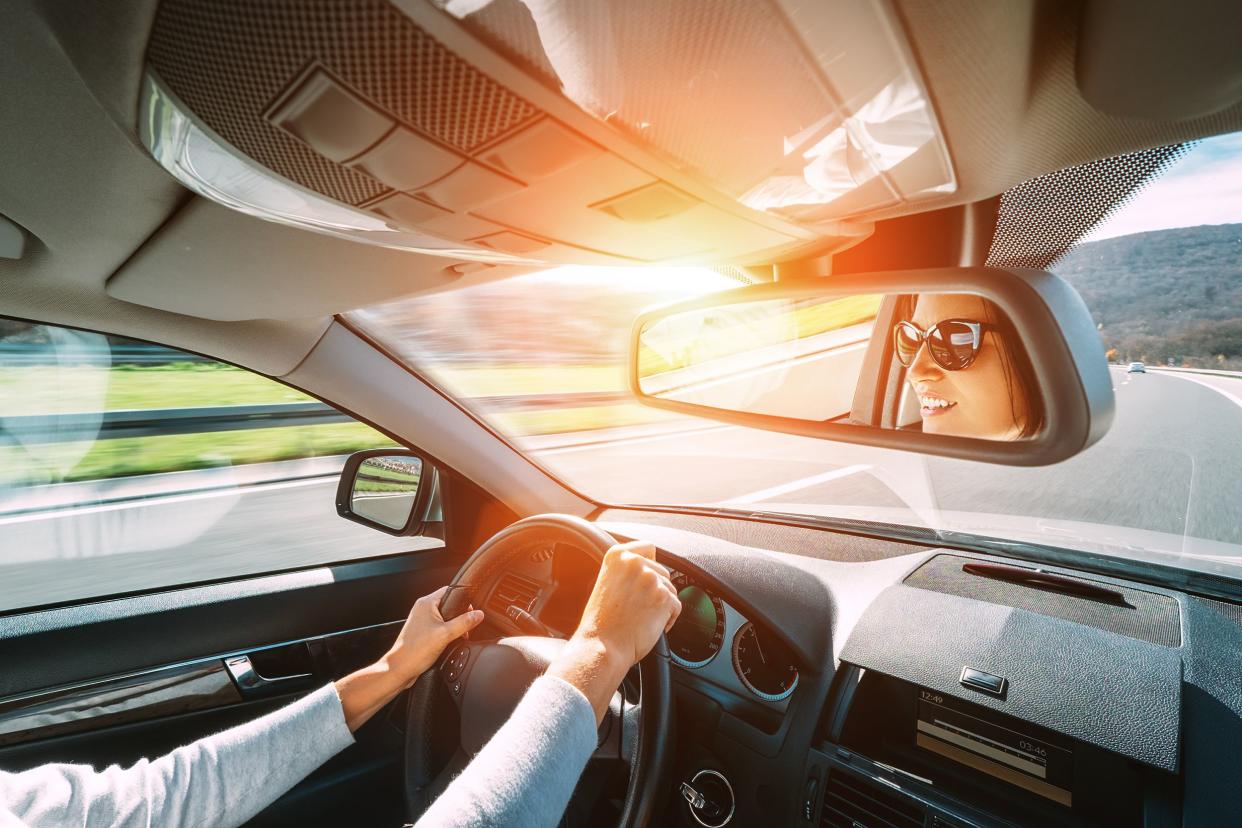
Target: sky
1204 187
674 281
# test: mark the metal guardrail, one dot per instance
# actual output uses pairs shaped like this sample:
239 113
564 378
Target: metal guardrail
35 353
152 422
1211 372
156 422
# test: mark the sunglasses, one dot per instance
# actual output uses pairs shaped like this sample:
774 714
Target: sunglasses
953 343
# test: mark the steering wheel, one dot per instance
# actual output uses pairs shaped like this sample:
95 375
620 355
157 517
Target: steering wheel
485 680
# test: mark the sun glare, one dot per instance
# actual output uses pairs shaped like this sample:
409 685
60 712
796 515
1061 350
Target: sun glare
675 281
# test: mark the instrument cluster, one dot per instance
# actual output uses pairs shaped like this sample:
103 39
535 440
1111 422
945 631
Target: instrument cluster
759 661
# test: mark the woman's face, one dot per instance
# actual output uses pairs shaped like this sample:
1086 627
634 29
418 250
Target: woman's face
980 401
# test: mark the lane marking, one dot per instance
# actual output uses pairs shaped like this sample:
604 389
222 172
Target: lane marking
1231 397
795 485
158 500
627 441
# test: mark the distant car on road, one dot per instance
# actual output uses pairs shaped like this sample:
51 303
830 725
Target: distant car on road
1136 368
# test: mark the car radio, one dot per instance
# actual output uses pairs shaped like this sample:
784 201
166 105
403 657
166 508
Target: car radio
972 736
930 754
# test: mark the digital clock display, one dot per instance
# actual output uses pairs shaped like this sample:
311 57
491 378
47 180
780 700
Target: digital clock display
971 736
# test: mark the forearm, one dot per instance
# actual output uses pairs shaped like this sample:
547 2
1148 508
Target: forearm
365 692
587 664
221 780
526 773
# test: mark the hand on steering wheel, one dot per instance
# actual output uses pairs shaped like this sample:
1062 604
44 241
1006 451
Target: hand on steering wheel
632 605
425 634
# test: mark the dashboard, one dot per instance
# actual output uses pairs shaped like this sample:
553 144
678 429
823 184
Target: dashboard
928 686
824 679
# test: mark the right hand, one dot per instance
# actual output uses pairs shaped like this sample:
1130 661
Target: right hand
632 604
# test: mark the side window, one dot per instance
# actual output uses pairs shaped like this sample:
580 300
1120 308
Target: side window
126 466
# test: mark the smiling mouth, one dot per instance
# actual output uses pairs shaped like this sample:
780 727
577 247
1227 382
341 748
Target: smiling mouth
933 406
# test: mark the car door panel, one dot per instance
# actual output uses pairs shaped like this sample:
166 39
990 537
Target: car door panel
114 681
51 648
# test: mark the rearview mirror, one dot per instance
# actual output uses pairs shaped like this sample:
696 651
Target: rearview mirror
986 364
385 489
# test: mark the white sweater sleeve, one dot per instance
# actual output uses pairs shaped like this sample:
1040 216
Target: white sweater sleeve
222 780
523 777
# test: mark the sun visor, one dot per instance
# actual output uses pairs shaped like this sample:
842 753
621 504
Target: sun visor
543 131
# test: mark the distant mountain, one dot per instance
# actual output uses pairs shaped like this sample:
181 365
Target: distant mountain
1165 294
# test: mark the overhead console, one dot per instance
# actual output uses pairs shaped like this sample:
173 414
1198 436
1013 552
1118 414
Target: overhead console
510 133
975 710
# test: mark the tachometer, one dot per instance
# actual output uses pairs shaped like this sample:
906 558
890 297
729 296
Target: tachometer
699 632
763 663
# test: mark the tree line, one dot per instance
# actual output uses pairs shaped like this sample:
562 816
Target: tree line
1167 295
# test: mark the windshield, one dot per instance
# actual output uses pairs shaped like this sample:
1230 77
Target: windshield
541 358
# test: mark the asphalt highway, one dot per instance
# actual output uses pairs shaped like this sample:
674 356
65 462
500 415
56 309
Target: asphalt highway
1171 464
1167 476
125 547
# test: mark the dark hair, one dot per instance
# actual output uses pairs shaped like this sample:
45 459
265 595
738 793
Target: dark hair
1015 363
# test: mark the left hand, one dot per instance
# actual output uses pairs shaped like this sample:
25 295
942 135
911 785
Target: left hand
425 635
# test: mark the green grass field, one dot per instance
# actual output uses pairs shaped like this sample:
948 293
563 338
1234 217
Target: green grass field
40 390
43 390
64 462
374 486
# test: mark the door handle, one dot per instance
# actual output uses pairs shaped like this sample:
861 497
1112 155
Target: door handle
252 684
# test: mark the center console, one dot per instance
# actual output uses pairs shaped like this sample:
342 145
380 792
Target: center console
897 754
960 701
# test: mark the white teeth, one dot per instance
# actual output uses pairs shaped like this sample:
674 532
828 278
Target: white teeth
934 402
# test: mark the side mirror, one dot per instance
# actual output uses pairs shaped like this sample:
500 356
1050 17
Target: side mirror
1002 366
386 489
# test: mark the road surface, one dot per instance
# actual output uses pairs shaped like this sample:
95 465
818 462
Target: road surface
1170 468
1170 464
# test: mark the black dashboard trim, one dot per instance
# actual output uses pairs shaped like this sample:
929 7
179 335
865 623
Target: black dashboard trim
1117 693
747 557
839 699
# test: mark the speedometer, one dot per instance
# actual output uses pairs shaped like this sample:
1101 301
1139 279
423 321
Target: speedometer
763 663
699 632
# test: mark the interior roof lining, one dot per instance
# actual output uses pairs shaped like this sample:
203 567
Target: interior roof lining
1002 77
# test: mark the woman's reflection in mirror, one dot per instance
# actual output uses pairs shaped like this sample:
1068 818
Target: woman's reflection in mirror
968 368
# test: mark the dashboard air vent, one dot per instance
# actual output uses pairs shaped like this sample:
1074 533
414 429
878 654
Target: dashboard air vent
851 802
512 589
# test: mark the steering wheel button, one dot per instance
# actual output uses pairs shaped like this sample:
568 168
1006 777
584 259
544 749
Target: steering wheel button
457 688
